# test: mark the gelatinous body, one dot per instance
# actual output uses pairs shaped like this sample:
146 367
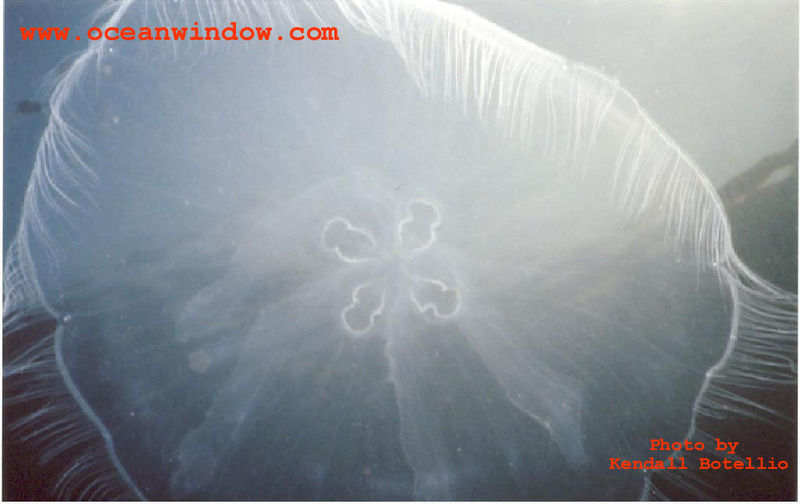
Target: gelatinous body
427 260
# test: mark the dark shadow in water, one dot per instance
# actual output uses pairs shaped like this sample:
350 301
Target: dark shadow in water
29 107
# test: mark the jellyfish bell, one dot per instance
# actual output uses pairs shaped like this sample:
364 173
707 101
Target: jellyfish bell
426 260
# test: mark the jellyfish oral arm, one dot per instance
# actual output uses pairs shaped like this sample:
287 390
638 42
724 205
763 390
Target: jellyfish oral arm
553 400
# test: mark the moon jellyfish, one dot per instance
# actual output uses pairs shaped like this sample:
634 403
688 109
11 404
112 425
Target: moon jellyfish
414 257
